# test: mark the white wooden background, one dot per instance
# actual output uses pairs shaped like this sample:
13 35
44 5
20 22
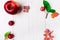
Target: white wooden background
30 26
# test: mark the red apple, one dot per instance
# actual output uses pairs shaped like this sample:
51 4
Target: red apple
12 7
11 23
10 36
42 9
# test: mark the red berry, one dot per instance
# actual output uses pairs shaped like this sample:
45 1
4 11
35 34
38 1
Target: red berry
12 7
11 23
42 9
10 36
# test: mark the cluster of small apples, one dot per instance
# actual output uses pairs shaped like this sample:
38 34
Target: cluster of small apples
53 15
9 35
12 8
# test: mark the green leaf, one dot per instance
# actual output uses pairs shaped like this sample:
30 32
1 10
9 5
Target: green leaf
6 35
52 10
47 6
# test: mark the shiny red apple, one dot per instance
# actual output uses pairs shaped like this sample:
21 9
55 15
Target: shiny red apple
12 7
42 8
10 36
11 23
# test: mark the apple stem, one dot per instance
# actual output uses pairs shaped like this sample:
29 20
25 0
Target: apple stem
46 15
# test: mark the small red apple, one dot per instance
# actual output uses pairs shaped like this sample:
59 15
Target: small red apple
12 7
42 9
10 36
11 23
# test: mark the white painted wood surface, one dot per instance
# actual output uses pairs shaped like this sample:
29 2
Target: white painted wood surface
30 26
